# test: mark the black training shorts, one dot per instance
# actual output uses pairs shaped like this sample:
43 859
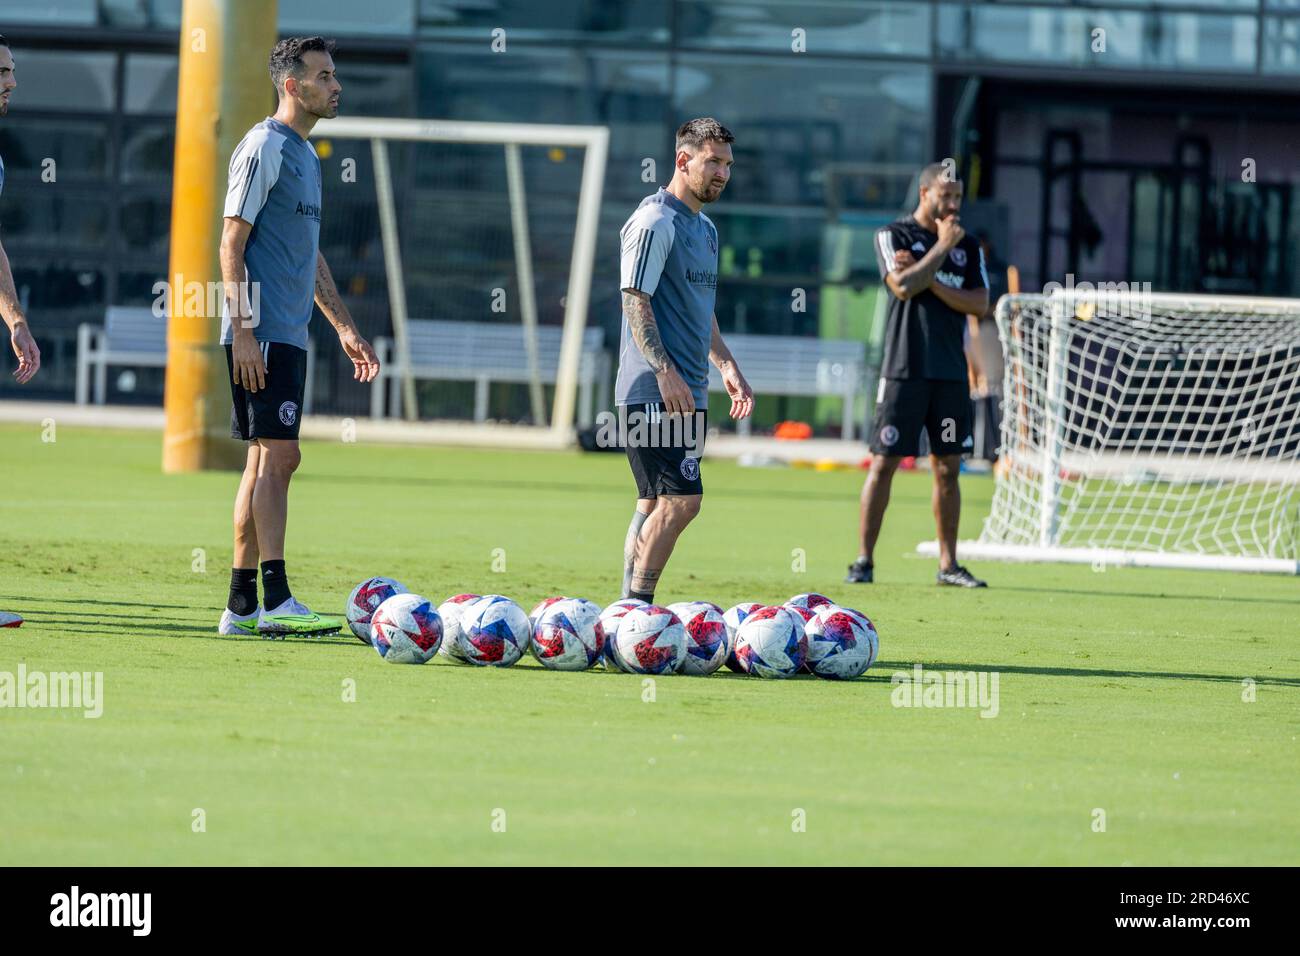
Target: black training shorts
664 450
906 405
276 410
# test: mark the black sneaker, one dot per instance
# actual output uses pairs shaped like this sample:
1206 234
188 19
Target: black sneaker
959 577
861 571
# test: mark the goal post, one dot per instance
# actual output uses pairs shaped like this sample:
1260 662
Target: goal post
1158 430
593 140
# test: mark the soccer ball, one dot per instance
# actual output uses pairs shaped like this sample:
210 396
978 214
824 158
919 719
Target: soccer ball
707 644
733 617
806 615
650 640
406 629
569 636
610 619
493 631
842 643
810 601
771 642
363 601
452 610
535 615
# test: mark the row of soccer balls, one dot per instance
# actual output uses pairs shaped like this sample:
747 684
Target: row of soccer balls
808 633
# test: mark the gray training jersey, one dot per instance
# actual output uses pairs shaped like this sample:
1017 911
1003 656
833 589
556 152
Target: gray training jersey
275 185
670 254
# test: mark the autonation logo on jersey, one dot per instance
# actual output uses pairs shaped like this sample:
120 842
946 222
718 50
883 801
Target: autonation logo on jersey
102 909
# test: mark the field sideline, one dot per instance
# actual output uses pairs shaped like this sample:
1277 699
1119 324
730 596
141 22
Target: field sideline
1120 691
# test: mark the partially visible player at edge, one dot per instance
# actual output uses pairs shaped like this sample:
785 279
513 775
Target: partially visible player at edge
20 336
669 278
936 277
271 237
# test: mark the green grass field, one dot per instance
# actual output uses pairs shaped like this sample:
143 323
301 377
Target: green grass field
1120 691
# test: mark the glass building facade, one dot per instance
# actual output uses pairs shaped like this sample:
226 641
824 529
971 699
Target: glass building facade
1103 138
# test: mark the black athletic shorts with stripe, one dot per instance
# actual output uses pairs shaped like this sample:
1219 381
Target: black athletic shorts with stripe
906 405
664 450
274 411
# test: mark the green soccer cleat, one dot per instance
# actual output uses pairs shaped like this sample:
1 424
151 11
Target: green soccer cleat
234 624
295 618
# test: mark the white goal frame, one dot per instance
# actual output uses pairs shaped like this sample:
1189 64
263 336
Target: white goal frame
594 140
1062 307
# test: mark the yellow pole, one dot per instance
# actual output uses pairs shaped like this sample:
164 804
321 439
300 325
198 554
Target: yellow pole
224 90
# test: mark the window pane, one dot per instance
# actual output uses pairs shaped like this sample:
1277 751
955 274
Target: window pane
845 112
1281 45
80 149
626 91
66 12
1133 40
374 89
68 219
151 81
343 17
148 152
829 26
611 20
64 80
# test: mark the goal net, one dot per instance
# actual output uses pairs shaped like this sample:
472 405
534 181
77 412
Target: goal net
469 249
1151 429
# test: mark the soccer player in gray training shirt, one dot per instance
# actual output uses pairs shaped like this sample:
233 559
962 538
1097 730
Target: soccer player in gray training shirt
11 310
670 334
273 270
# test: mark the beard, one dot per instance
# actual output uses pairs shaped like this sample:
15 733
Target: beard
706 193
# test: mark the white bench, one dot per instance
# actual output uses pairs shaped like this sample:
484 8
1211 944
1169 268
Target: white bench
132 335
486 352
797 365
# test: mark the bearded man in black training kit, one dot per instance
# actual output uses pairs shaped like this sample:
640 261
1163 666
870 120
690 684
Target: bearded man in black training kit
935 277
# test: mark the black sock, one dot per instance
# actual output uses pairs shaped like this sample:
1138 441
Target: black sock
243 591
275 584
647 596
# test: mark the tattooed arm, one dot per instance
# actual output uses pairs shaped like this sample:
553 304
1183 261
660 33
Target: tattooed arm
645 333
20 336
365 363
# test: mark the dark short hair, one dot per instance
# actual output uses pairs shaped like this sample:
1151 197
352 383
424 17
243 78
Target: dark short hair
286 58
938 172
695 133
4 41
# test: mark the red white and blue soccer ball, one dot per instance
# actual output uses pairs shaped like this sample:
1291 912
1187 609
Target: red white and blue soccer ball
568 635
493 632
406 629
707 644
452 610
535 615
364 599
842 643
810 602
610 619
771 643
734 617
650 640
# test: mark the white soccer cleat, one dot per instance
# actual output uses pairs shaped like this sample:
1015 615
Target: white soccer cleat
294 617
9 619
234 624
